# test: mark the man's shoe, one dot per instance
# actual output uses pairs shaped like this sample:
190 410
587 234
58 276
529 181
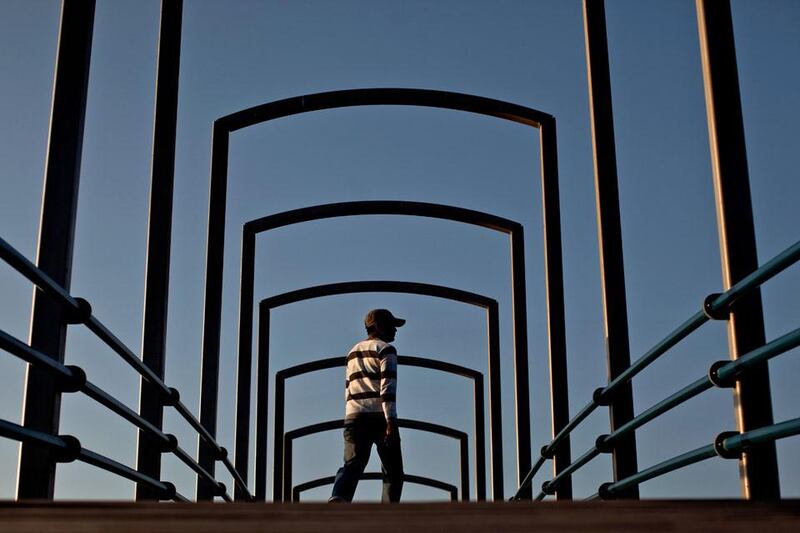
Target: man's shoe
336 499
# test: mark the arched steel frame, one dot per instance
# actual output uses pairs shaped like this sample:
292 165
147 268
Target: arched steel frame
409 478
493 326
336 362
253 228
312 429
215 246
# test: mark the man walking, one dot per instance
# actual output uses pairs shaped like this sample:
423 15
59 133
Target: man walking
370 413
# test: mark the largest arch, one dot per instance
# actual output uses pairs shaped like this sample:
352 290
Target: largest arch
224 126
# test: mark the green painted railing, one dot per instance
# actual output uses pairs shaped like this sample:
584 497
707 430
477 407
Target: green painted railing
721 374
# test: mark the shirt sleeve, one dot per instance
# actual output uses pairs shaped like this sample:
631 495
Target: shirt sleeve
389 381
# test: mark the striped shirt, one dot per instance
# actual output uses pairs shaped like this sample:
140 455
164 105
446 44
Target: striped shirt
371 380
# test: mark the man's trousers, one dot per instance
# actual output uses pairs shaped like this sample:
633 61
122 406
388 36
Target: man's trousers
359 436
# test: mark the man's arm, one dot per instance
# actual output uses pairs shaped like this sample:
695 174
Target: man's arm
389 388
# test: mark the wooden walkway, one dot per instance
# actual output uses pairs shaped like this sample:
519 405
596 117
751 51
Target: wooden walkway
561 517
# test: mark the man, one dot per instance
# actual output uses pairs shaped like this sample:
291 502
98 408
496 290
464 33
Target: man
370 413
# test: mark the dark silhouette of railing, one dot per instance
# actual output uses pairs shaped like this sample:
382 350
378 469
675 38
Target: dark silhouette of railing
72 379
721 374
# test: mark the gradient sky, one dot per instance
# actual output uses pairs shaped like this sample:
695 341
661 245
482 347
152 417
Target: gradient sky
241 53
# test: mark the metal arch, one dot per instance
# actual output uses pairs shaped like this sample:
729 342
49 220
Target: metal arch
439 291
409 478
383 96
215 246
381 207
336 362
254 227
290 436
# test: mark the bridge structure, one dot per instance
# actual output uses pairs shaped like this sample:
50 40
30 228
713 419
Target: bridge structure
55 309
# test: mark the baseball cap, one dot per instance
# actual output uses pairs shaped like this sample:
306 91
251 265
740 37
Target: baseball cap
382 316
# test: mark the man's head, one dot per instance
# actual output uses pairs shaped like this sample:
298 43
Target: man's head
382 324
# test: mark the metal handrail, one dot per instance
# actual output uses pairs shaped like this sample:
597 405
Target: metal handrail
736 443
723 373
726 445
75 375
549 487
81 312
731 369
181 454
110 465
720 374
69 449
21 264
716 305
674 400
103 398
664 467
75 380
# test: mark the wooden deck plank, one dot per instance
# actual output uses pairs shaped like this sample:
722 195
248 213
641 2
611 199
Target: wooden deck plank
651 516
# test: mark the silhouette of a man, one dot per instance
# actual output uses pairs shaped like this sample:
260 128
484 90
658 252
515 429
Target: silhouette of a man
370 413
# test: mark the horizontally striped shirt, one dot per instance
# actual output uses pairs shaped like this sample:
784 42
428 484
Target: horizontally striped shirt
371 380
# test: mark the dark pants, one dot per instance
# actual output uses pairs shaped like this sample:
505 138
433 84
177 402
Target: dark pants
359 436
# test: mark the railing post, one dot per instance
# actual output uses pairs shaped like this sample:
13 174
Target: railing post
244 363
42 402
521 385
212 312
262 404
759 465
159 233
609 234
556 329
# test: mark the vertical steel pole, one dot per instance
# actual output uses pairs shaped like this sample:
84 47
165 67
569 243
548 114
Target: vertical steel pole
609 234
244 361
495 402
464 454
521 388
277 458
554 284
212 312
262 402
758 466
159 234
42 400
480 440
287 468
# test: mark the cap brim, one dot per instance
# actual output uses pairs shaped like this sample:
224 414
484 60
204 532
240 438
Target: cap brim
398 322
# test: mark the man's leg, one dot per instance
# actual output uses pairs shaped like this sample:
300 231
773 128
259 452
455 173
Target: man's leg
392 467
357 447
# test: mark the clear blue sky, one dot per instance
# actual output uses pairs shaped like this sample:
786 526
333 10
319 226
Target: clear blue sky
238 54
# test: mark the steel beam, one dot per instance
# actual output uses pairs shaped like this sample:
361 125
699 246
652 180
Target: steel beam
212 307
556 329
737 239
609 235
159 234
42 399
